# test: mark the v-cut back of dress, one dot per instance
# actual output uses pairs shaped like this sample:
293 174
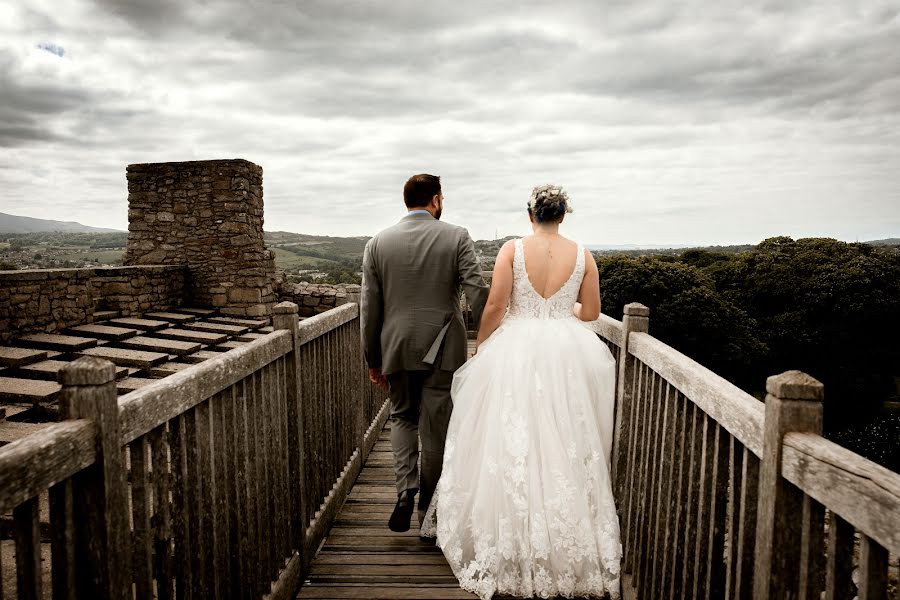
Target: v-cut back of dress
526 302
561 286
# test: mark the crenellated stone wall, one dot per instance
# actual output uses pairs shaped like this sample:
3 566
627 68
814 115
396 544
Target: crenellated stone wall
207 215
315 298
49 300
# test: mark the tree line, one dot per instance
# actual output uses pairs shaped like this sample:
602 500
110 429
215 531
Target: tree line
829 308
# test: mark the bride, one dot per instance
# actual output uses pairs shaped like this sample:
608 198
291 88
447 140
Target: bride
524 505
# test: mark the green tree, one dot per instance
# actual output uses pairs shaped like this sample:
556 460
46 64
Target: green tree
826 307
686 312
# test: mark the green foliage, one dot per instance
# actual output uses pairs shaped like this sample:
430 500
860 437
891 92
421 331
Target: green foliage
686 311
826 307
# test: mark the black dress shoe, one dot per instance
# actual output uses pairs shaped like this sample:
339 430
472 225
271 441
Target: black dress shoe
403 511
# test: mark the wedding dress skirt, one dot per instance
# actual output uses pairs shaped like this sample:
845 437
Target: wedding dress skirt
524 505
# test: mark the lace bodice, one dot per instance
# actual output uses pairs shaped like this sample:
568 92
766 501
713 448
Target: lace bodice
526 303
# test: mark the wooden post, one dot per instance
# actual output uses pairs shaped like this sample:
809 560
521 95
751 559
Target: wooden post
636 319
284 316
99 493
793 403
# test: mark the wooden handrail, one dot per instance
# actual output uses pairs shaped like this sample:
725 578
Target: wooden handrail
31 464
736 410
149 407
862 492
319 325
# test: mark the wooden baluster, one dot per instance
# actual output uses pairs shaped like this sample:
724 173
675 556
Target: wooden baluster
181 523
673 570
793 403
747 529
664 491
99 492
162 519
839 568
635 462
140 507
650 403
635 319
873 566
62 542
221 474
284 317
246 488
703 504
715 581
812 532
735 468
26 522
692 467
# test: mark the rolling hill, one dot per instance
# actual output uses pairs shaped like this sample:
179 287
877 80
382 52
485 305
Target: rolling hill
16 224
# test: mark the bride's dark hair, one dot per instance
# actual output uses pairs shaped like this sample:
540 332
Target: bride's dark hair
548 204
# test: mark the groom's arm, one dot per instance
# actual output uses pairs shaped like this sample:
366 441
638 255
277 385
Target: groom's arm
471 278
371 309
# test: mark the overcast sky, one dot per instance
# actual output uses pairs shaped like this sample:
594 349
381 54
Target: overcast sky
714 122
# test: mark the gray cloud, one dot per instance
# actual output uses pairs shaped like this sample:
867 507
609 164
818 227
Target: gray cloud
689 122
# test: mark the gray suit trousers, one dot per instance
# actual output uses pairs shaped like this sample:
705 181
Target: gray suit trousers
420 407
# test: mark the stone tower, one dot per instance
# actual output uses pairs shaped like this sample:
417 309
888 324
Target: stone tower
207 215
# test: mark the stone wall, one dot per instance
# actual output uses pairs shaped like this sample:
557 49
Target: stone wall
207 215
49 300
315 298
135 290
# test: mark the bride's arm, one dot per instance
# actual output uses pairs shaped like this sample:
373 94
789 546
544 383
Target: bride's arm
498 299
588 306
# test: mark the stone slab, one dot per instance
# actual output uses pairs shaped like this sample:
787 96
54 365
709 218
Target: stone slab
187 335
169 346
102 315
16 357
169 368
13 410
171 317
53 341
129 384
268 329
25 391
10 431
198 357
127 358
231 345
249 337
200 312
104 332
49 370
216 328
137 323
249 323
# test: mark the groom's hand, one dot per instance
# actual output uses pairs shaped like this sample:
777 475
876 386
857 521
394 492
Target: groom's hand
378 378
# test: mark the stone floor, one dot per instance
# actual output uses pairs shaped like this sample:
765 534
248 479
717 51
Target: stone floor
144 349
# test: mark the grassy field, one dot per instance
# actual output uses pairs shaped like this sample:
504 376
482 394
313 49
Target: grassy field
102 256
289 261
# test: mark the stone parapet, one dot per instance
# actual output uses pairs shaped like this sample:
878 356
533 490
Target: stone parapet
315 298
49 300
207 215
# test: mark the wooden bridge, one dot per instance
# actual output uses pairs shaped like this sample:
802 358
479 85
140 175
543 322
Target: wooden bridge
265 472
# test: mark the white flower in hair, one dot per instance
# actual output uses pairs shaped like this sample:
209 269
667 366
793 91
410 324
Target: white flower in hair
549 193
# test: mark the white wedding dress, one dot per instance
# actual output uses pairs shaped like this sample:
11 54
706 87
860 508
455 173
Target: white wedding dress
524 505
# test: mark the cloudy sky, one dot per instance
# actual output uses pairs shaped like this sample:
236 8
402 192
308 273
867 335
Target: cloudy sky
709 122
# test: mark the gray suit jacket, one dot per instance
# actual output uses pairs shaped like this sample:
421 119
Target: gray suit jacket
409 307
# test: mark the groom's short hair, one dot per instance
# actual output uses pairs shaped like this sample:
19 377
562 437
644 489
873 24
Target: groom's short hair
420 189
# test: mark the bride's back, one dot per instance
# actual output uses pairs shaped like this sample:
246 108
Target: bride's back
550 260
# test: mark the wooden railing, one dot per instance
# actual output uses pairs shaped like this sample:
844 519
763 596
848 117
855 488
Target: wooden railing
723 496
218 481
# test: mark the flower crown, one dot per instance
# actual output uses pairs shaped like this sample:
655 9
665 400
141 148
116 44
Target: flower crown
550 194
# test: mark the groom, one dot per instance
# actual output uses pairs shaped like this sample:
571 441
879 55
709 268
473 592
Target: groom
414 335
